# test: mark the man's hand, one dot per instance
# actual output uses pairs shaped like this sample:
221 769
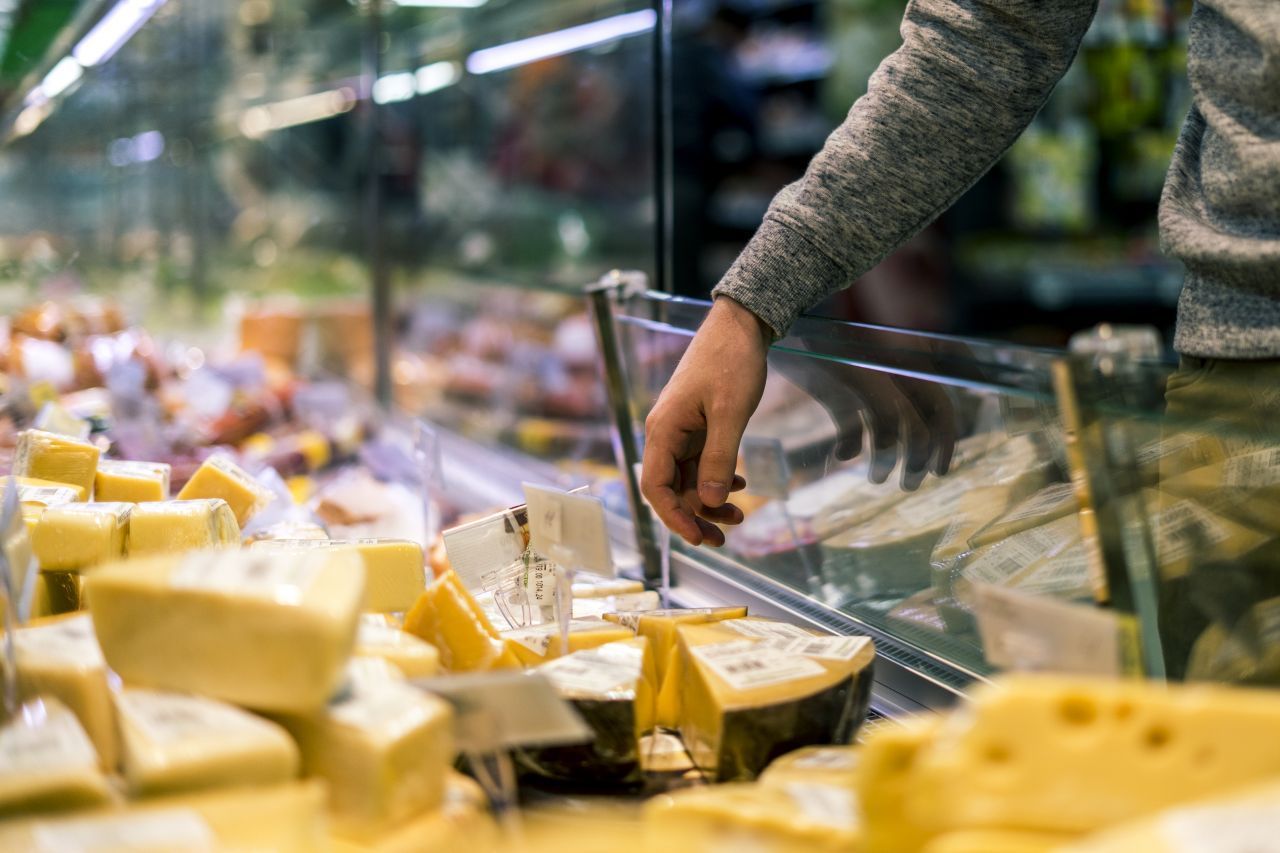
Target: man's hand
693 431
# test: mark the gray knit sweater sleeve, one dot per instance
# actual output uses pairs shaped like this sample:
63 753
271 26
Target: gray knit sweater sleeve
969 77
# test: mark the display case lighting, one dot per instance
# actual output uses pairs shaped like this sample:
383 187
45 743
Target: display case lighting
60 78
560 42
441 4
113 30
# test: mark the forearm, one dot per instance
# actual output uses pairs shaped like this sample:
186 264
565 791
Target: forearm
969 77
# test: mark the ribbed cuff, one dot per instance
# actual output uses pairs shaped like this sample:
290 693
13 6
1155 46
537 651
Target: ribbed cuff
780 274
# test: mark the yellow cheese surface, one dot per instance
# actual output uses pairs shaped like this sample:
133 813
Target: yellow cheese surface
36 492
461 822
267 631
447 617
825 765
167 527
997 841
532 646
174 742
60 458
219 477
884 779
393 568
47 761
413 656
71 537
60 659
134 482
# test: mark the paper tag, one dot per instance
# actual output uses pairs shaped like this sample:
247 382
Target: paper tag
171 829
43 740
540 581
47 495
570 529
70 641
480 550
1237 828
506 709
590 674
1254 470
280 577
1031 633
167 718
826 804
824 648
757 628
747 665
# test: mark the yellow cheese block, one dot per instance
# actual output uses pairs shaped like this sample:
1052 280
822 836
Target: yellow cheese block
740 816
282 819
60 659
60 458
998 841
167 527
461 822
748 699
134 482
1242 820
447 617
36 492
268 631
824 765
1075 755
541 643
47 761
414 657
174 742
659 627
219 477
884 779
71 537
393 568
384 748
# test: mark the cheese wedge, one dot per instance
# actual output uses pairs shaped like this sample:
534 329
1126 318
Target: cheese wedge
33 491
385 750
71 537
174 742
60 458
821 765
168 527
749 699
659 627
134 482
414 657
47 761
884 780
1075 755
541 643
739 816
393 568
461 822
268 631
976 509
282 819
610 687
219 477
61 659
447 617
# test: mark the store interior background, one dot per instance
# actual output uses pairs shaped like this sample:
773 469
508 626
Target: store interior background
223 150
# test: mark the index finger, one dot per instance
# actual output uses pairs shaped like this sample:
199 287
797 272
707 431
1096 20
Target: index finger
658 485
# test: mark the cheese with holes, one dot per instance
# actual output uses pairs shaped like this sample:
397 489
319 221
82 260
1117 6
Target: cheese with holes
60 458
751 692
461 822
384 749
611 687
283 819
47 761
414 657
998 841
1074 755
219 477
885 779
824 765
60 658
167 527
740 816
393 568
541 643
70 537
173 742
268 631
134 482
447 617
33 491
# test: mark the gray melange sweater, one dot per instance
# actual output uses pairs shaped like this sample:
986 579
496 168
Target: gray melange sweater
969 77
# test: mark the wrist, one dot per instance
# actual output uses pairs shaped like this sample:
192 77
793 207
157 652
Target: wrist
728 311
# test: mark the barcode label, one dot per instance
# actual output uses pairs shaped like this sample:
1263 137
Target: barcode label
761 629
48 495
1183 528
823 648
747 665
1256 470
592 675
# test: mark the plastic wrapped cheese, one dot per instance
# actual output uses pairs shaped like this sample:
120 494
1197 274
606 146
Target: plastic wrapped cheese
219 477
71 537
49 456
268 631
412 655
448 617
167 527
134 482
47 761
33 491
1049 504
394 569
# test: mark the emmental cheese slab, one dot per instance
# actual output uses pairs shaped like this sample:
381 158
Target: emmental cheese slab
271 632
170 527
219 477
175 742
748 699
884 780
76 536
134 482
448 617
60 658
394 569
49 456
47 761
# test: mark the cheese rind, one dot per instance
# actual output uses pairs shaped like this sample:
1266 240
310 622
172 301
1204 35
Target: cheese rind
47 761
71 537
173 742
134 482
394 568
49 456
219 477
168 527
270 632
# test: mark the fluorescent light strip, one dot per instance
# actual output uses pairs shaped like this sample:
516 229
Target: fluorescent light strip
257 122
392 88
113 30
60 78
436 76
441 4
560 42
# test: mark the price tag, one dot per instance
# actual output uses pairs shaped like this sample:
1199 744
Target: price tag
506 709
569 529
481 550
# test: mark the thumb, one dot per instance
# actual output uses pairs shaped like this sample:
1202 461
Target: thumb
719 460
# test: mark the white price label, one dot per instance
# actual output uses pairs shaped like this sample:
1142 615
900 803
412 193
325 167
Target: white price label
569 529
1240 828
824 648
761 629
1033 633
284 578
387 709
48 495
747 665
591 675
